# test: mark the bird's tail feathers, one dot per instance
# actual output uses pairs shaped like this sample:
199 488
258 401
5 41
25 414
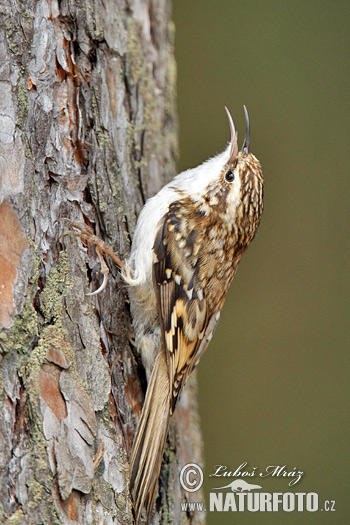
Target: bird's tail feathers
150 438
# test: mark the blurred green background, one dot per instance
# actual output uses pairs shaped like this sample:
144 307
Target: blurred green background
274 384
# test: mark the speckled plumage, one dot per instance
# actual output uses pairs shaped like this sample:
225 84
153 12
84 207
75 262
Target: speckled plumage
188 242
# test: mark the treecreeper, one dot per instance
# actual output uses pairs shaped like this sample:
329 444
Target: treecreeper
187 244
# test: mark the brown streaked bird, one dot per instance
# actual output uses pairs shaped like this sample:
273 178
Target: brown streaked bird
186 248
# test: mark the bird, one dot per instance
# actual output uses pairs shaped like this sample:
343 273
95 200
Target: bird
188 242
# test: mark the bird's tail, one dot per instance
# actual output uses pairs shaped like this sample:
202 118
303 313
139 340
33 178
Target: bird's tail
150 438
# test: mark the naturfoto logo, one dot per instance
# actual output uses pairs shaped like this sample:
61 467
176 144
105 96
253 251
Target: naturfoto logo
241 495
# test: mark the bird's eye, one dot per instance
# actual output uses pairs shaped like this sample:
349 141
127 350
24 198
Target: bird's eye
229 176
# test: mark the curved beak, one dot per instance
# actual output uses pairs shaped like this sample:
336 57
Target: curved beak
246 142
234 145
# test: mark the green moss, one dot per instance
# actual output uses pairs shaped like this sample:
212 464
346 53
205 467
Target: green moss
102 135
58 281
16 519
43 480
25 325
10 33
36 489
53 334
24 328
92 19
27 151
116 187
23 102
28 15
37 492
106 417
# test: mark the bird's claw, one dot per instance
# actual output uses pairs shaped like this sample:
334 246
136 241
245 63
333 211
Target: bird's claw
85 234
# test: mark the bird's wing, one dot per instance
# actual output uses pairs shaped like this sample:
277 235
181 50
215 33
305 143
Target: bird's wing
183 309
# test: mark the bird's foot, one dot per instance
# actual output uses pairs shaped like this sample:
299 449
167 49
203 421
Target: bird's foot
85 234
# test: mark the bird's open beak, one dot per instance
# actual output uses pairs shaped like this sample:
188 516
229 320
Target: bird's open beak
246 142
234 145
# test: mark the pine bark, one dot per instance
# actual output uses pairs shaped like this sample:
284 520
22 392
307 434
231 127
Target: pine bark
88 131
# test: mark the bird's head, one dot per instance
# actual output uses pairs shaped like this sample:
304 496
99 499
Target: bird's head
240 178
230 184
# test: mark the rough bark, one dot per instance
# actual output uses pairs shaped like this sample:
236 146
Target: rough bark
87 131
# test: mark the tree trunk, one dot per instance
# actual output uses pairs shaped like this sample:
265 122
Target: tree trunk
87 131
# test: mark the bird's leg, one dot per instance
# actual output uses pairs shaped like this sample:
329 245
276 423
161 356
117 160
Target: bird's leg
85 234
